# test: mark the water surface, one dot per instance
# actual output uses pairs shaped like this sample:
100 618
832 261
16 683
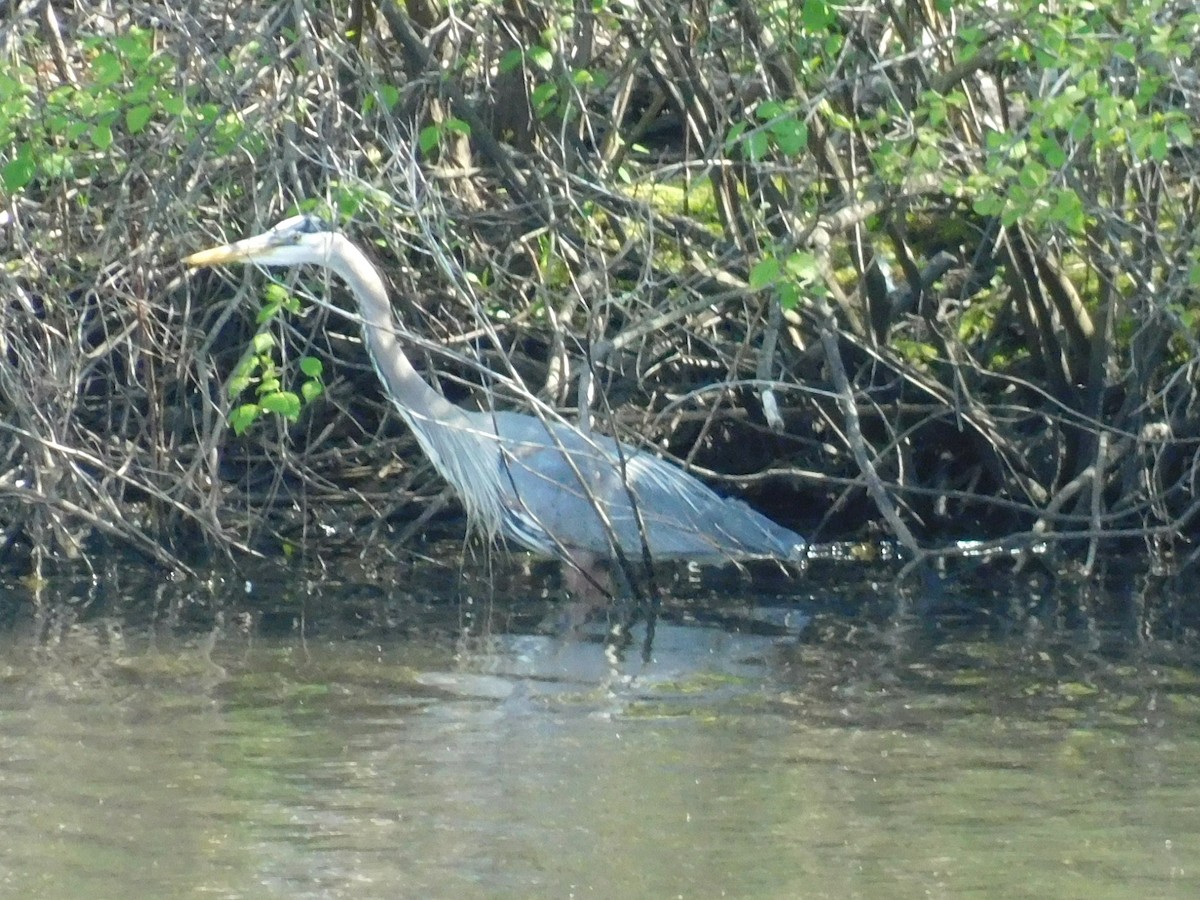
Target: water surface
391 739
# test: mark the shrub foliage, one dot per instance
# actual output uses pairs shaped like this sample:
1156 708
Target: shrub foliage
928 266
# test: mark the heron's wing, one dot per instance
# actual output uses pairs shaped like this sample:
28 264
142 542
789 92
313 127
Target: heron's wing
568 490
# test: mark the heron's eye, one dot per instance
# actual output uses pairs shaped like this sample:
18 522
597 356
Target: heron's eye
311 224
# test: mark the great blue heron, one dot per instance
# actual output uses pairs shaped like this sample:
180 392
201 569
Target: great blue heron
542 483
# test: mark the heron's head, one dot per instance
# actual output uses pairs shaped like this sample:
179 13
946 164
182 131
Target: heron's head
300 239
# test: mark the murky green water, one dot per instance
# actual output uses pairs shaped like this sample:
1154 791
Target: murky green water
394 744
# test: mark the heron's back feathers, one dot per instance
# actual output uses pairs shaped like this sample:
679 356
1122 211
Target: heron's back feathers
564 490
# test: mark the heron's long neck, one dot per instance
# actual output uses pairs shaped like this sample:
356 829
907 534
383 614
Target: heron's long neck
408 390
461 447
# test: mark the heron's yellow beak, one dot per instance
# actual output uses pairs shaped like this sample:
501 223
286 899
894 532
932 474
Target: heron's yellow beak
214 256
239 251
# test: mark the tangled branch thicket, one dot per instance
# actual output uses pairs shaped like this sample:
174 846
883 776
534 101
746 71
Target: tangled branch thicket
932 266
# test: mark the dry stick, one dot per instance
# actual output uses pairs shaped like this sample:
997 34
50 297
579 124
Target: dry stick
1069 490
52 34
1075 319
766 364
820 243
1097 501
40 500
398 21
1035 313
854 431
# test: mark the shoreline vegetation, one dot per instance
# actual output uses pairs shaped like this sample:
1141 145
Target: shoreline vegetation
920 273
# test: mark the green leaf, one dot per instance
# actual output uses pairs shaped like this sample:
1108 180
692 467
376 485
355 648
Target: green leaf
927 158
757 145
57 165
285 403
1159 146
542 95
74 131
429 137
18 173
791 135
311 366
511 60
243 417
1053 152
269 310
987 205
1194 275
102 136
764 273
135 45
237 384
816 15
389 95
840 121
311 390
1033 176
276 294
734 135
789 295
802 266
263 342
106 69
136 117
541 57
1068 211
458 126
769 109
143 89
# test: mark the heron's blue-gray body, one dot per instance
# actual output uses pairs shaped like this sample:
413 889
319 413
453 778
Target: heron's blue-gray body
564 490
